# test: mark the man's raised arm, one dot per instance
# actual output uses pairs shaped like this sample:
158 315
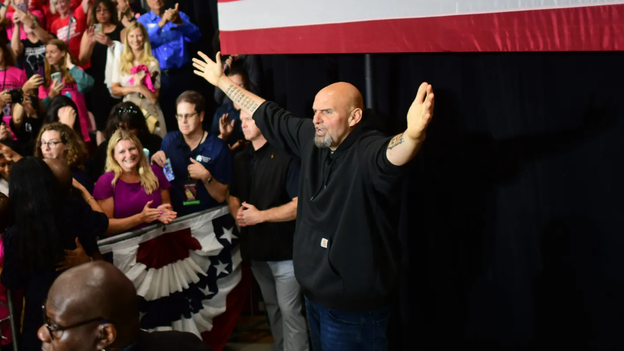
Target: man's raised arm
213 73
403 147
278 126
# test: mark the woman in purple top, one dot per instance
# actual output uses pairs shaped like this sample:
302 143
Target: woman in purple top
131 193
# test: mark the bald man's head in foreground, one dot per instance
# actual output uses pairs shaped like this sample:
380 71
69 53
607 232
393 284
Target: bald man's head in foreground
90 307
337 110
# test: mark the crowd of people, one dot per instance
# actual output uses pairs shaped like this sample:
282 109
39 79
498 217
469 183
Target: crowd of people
99 138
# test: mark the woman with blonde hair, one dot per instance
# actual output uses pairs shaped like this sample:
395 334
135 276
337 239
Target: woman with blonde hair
63 77
131 192
136 77
60 142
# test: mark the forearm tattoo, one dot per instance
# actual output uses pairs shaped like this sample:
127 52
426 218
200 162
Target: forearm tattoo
238 96
396 141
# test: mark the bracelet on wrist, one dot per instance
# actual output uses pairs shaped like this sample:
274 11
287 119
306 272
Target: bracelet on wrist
208 181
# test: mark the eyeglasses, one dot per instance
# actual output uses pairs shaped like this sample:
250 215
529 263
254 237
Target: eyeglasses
187 116
56 331
50 144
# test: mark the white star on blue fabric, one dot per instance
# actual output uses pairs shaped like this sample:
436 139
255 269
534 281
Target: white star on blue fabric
221 268
228 234
206 291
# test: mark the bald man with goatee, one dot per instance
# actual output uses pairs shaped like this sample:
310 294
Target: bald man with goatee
346 245
93 307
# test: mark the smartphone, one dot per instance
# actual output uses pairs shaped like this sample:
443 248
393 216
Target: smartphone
56 78
98 28
22 7
168 171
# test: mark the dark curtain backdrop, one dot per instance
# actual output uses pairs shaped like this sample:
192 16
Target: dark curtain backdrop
513 216
513 223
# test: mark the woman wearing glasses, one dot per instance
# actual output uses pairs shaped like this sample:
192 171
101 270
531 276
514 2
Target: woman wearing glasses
58 141
132 193
136 77
47 221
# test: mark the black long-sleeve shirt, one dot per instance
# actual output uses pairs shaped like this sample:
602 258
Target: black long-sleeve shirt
346 247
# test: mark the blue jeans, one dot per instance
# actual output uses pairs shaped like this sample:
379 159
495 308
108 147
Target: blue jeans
332 330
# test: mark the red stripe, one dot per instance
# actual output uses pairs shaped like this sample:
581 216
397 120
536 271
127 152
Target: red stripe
167 248
593 28
223 324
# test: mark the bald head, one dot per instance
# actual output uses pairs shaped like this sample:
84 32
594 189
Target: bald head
342 95
61 172
337 110
97 289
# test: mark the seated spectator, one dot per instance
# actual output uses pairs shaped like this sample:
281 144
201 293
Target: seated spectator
126 116
46 223
73 82
5 169
226 120
30 50
99 289
131 193
94 47
170 32
59 142
201 162
136 77
26 122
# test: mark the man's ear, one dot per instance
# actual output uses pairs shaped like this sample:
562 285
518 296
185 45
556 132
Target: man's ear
107 333
355 117
201 116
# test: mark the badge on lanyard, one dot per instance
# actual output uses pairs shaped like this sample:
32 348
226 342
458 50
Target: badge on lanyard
190 193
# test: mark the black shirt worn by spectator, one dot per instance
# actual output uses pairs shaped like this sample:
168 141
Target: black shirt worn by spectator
266 178
27 133
346 245
152 143
33 58
99 99
167 341
82 223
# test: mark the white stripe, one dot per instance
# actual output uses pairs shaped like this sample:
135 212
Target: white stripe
259 14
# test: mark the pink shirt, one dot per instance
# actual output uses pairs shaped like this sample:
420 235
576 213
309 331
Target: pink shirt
9 27
71 91
11 78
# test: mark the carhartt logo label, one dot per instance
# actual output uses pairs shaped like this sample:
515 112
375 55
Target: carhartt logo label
324 242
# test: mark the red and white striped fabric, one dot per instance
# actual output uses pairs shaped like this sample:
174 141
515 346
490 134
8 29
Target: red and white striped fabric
371 26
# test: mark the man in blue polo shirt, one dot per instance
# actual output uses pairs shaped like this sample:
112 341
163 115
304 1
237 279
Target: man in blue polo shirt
198 164
169 32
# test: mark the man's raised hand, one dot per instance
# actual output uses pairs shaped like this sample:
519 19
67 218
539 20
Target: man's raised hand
420 113
208 69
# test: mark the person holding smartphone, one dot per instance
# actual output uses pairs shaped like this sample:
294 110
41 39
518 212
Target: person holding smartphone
30 51
63 77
